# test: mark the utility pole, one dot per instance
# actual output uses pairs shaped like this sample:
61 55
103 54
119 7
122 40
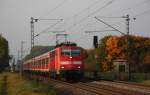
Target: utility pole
128 44
128 23
21 56
32 31
18 62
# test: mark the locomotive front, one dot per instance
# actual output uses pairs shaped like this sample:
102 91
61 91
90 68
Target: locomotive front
71 62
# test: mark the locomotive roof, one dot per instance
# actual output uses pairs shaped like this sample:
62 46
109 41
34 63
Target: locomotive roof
66 44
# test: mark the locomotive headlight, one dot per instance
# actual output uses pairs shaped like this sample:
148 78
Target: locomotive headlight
79 67
62 67
65 62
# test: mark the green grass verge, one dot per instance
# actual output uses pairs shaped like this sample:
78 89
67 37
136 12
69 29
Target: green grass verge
20 86
1 82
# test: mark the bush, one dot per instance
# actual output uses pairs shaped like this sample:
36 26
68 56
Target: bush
89 75
106 75
138 77
100 75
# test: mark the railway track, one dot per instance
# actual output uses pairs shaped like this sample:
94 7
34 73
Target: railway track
135 87
134 83
117 91
90 88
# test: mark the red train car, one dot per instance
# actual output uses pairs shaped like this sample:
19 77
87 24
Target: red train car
65 60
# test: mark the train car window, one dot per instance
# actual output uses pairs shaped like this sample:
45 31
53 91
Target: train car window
33 63
75 52
53 53
46 60
39 63
42 61
36 63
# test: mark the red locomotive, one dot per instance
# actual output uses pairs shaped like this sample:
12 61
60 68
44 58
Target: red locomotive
65 61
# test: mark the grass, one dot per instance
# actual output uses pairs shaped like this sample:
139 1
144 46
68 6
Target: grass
20 86
147 82
1 81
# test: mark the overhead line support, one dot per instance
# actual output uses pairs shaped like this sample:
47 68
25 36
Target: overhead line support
33 20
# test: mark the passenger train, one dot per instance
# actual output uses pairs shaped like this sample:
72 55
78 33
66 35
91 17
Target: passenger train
64 61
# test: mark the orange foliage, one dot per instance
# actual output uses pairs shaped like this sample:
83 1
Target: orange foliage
112 47
104 65
117 48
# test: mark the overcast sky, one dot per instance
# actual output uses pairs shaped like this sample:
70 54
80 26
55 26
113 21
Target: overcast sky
78 17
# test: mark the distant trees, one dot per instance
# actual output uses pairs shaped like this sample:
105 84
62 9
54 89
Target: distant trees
4 53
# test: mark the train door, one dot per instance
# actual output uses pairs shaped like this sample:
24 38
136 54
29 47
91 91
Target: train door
52 60
53 64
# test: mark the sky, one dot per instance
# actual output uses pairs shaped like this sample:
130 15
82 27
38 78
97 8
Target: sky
78 18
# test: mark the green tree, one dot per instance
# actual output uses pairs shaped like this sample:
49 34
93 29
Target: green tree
4 53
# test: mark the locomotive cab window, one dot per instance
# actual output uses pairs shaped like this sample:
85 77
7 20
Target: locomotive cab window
75 52
66 52
70 52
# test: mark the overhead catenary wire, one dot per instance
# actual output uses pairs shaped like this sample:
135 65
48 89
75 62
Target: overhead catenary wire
142 13
97 31
53 9
104 29
131 7
109 25
82 11
110 2
99 9
59 5
108 17
46 30
93 4
136 5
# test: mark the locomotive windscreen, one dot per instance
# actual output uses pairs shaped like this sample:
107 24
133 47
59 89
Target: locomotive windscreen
70 52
